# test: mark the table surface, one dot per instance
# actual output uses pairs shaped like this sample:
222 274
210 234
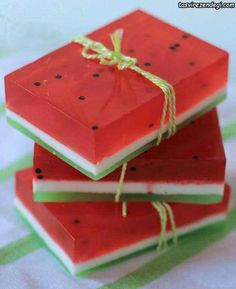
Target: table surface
24 263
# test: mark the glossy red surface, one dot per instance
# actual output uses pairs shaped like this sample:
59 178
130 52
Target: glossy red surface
122 104
88 230
194 154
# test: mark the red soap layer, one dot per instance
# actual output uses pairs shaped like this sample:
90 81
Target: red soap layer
92 229
122 104
194 154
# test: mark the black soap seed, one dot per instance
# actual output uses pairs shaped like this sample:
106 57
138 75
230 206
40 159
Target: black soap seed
38 171
58 76
185 35
82 97
133 168
40 177
172 47
192 63
96 75
151 124
37 83
76 221
196 157
130 50
94 127
147 63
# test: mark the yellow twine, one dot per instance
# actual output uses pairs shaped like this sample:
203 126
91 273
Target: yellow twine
163 221
124 209
121 182
164 210
115 57
172 222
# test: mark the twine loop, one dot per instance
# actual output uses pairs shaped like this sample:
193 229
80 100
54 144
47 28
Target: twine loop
105 55
165 213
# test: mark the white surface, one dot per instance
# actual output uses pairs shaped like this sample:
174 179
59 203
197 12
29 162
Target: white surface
9 140
214 268
11 228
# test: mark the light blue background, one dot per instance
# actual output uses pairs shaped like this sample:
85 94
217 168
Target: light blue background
41 26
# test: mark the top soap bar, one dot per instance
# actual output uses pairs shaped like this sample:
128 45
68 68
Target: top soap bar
95 117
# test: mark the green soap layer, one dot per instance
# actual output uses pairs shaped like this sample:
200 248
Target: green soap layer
86 197
37 139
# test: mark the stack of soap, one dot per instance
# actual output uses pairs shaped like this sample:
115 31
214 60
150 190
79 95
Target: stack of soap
87 119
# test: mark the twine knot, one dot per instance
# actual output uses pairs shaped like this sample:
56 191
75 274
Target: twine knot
122 61
105 55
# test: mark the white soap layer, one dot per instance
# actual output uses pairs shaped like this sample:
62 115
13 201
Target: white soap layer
106 163
41 186
82 266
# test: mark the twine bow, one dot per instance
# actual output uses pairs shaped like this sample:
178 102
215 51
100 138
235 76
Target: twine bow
105 55
116 57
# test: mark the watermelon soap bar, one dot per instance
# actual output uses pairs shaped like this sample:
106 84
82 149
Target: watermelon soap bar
84 235
189 167
95 117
